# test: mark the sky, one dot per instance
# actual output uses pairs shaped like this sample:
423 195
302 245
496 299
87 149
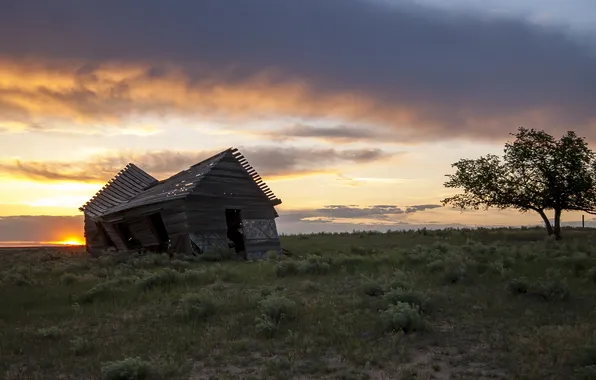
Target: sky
351 110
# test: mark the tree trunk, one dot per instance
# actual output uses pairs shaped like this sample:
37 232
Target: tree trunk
557 224
549 227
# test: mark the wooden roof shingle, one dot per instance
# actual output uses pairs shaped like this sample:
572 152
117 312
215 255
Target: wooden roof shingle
128 183
133 188
177 186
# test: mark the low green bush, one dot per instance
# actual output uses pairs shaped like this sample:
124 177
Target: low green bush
193 307
402 317
127 369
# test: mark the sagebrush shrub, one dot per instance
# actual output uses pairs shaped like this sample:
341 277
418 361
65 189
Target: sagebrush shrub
310 286
265 326
592 275
550 290
179 264
127 369
412 297
402 317
19 279
585 373
68 278
588 355
99 291
286 268
193 306
454 273
372 288
163 278
49 332
276 308
314 265
399 279
519 285
80 346
359 250
168 277
553 290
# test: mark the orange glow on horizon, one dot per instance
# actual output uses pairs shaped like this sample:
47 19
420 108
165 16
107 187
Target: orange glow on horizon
72 240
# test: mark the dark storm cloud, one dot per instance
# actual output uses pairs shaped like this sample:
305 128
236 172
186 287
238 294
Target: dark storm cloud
452 75
268 161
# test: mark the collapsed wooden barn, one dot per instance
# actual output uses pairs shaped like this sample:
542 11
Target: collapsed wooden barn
198 210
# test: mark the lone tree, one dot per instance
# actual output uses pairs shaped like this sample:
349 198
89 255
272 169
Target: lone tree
537 172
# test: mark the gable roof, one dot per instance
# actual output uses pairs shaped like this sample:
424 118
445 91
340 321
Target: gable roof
129 182
183 183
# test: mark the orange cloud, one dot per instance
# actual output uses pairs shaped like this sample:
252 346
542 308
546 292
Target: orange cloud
270 162
47 96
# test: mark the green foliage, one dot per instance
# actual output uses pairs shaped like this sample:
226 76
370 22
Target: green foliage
277 308
372 287
412 297
402 317
80 346
592 275
274 309
162 278
206 320
588 355
127 369
167 277
546 289
311 265
106 289
69 278
585 373
193 307
49 332
314 265
286 268
536 173
519 285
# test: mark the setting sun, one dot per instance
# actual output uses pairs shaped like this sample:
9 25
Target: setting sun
72 241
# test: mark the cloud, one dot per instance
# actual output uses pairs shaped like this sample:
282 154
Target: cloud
270 162
427 74
416 208
333 212
335 134
34 228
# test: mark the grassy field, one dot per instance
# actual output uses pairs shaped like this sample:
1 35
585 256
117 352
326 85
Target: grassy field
461 304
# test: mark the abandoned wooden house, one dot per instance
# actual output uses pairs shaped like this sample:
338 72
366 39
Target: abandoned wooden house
219 203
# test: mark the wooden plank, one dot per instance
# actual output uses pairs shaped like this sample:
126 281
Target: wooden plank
143 176
129 184
117 185
116 192
140 183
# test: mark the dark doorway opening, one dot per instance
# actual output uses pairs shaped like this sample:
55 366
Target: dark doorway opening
160 231
105 236
126 235
235 232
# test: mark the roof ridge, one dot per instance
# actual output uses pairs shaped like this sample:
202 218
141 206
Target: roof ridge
165 186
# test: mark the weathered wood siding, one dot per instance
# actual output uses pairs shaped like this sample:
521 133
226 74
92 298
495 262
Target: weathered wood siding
141 229
115 236
94 239
228 186
173 214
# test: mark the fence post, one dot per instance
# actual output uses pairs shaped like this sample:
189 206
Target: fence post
583 222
